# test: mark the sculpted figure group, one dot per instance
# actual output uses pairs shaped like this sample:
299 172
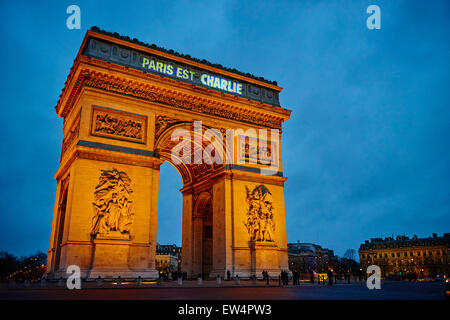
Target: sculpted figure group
104 123
260 223
113 204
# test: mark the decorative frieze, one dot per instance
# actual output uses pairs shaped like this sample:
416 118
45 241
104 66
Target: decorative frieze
257 151
178 100
162 123
115 124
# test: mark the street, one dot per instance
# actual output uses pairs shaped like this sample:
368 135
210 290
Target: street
390 290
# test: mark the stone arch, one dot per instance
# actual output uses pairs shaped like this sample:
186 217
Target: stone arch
118 114
199 228
203 234
190 173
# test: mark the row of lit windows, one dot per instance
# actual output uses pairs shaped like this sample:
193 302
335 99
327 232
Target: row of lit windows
403 262
163 262
405 254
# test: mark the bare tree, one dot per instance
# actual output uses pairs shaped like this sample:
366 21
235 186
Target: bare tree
350 254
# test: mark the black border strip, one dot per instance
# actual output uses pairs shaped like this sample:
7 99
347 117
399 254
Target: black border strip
253 170
110 147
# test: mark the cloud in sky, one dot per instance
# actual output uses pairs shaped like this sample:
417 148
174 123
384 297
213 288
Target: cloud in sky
365 151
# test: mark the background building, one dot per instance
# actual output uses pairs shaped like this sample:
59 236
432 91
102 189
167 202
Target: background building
306 257
168 259
416 257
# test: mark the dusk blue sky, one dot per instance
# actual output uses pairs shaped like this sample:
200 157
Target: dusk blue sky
366 150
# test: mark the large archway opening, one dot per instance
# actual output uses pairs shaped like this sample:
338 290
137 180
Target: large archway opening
203 234
168 234
197 226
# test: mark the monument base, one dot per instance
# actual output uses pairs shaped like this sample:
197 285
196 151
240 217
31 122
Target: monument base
124 274
252 260
110 259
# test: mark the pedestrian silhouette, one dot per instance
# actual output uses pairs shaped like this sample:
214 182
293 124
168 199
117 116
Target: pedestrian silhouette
330 277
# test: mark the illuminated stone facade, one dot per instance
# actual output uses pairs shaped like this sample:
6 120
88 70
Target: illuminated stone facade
415 257
119 121
168 259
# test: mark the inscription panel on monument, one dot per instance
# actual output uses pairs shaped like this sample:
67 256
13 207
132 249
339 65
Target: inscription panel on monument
156 64
115 124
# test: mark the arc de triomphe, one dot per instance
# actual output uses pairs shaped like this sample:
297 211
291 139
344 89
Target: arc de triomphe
127 108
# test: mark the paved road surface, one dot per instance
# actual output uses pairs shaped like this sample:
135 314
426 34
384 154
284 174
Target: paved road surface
169 291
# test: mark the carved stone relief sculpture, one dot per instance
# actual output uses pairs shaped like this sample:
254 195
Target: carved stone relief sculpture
113 206
118 125
260 223
162 123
